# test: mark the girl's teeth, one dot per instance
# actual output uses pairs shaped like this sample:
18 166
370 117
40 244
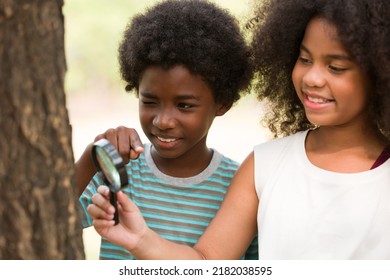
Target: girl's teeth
317 100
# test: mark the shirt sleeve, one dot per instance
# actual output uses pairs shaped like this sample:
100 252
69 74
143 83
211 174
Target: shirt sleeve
86 199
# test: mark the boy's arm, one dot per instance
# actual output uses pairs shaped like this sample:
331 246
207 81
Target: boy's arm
85 169
227 237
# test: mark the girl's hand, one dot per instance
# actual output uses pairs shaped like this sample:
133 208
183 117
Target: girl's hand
131 228
126 141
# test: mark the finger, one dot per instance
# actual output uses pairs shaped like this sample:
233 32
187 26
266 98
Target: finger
98 137
125 203
124 142
136 145
97 213
104 191
129 143
103 202
102 227
112 137
103 223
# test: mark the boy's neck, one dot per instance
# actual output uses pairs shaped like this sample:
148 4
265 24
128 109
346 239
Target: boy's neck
187 165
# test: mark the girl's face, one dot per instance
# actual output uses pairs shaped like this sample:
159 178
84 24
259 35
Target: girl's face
329 83
176 110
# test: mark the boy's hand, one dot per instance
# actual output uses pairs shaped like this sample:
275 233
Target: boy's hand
131 228
126 141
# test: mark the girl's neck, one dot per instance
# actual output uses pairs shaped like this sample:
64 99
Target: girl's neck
345 149
340 138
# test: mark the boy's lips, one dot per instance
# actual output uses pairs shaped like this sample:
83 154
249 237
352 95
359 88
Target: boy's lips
166 142
166 139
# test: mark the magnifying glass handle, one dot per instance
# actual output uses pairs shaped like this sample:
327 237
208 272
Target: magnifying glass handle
114 203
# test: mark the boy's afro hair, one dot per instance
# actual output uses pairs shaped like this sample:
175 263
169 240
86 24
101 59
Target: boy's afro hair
197 34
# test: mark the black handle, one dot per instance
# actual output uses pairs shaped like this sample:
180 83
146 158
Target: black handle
115 204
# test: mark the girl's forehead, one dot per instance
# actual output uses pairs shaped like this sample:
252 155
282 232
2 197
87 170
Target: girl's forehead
322 34
321 24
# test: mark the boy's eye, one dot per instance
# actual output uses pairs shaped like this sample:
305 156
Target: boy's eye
185 106
145 102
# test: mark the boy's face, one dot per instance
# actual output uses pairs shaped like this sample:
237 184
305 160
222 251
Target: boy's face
176 110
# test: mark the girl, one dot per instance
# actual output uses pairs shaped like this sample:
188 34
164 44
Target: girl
323 191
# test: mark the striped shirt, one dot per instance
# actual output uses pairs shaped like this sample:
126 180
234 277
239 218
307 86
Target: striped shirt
178 209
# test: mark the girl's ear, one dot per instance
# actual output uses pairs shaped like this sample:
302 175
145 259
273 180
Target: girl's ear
222 109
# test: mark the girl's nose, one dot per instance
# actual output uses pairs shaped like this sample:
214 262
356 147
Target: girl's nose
314 77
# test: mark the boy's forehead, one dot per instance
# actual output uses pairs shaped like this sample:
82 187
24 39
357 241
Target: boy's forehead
175 72
178 78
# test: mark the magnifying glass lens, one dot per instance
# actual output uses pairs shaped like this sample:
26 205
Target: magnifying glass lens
110 164
108 168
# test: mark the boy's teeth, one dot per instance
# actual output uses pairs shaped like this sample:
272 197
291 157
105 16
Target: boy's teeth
166 139
317 100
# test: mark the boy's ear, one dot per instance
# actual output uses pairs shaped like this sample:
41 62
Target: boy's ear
222 109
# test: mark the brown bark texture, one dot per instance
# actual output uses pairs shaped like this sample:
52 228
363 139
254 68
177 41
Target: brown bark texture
38 200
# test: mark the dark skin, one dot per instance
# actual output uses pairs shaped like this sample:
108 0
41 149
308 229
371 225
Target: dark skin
347 141
126 141
335 92
176 110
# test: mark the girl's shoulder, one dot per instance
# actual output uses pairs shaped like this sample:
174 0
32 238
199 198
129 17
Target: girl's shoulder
268 155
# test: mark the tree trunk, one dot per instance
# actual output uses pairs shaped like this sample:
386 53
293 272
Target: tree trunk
38 200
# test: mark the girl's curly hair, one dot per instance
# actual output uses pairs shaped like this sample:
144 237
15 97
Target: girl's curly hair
363 28
197 34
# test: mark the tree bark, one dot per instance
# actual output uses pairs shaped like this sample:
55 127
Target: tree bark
38 199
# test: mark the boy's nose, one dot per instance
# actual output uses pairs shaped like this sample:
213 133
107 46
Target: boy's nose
164 120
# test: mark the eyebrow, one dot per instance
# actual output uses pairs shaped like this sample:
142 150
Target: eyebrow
179 97
148 95
331 56
187 97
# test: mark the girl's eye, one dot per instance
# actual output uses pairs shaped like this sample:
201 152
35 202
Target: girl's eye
304 60
336 70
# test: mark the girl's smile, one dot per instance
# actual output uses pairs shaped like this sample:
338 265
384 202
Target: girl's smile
316 102
329 83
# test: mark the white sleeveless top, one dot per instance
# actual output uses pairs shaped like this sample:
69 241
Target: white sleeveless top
309 213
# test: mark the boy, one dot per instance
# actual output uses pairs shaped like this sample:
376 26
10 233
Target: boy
187 62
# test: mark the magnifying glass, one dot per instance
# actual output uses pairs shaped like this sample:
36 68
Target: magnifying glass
108 161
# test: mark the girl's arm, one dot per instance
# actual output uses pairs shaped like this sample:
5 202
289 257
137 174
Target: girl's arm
227 237
232 230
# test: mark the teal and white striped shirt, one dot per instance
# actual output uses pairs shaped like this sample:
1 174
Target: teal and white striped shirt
178 209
